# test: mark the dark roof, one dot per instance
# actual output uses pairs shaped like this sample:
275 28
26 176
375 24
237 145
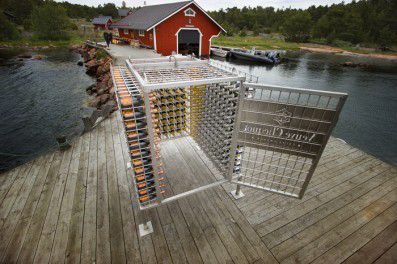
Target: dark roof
147 16
102 20
123 12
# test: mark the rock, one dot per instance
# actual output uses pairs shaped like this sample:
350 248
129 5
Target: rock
92 67
80 63
25 56
96 102
112 91
104 98
89 88
349 64
110 83
38 57
106 67
99 70
105 78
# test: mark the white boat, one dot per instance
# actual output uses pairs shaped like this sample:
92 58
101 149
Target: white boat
219 52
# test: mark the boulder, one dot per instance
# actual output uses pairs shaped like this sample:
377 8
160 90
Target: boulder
105 78
104 98
110 83
96 102
99 70
106 67
80 63
89 88
38 57
25 56
92 67
349 64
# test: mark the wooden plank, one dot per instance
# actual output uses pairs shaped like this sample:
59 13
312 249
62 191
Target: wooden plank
376 247
178 170
174 244
125 191
16 242
283 233
19 202
279 204
145 243
115 221
389 257
199 207
88 245
243 233
359 238
33 235
47 235
14 194
73 248
360 174
62 229
311 233
102 223
321 245
320 178
7 179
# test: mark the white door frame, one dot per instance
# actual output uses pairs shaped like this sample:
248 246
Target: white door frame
177 39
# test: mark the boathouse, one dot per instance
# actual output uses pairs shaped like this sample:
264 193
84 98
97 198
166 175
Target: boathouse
102 22
182 27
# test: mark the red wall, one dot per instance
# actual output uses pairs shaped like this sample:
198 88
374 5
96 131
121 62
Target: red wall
134 34
101 26
165 32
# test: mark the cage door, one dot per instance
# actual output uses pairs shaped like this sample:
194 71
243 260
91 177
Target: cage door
280 135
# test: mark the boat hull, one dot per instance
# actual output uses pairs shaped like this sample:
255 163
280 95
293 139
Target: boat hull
250 57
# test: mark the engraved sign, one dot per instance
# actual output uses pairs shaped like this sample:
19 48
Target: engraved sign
282 133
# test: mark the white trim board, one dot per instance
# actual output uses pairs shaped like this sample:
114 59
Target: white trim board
177 39
192 2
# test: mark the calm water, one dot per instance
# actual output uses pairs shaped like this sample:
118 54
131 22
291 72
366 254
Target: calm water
369 118
39 100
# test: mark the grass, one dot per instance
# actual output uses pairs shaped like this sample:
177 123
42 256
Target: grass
258 42
265 43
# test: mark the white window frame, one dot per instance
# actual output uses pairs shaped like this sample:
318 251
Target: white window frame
193 13
141 33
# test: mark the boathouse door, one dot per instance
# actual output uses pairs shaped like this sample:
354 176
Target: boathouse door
189 41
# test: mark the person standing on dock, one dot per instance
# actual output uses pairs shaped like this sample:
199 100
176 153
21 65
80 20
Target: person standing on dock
107 38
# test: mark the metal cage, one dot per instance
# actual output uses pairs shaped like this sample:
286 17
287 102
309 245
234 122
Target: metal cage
265 137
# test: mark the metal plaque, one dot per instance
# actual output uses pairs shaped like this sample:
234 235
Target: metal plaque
281 134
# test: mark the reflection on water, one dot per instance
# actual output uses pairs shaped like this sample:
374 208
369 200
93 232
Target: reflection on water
369 118
39 100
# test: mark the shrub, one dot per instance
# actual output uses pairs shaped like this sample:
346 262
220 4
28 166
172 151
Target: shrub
50 22
8 30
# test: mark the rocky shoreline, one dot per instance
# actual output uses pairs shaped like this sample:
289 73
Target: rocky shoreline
102 91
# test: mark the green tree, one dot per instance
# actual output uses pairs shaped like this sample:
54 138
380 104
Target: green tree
50 22
8 31
386 38
297 27
109 10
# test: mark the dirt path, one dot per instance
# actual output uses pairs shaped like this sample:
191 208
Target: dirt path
332 50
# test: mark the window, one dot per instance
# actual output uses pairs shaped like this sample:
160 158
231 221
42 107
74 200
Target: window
125 31
141 33
190 12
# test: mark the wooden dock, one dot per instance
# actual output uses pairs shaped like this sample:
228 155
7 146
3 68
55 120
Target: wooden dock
77 206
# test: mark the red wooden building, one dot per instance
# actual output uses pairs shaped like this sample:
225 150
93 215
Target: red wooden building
183 27
102 22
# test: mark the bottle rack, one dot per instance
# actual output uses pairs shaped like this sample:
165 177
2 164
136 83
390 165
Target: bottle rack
144 154
217 108
171 110
188 97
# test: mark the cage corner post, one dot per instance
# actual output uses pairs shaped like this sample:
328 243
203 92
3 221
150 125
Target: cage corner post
237 193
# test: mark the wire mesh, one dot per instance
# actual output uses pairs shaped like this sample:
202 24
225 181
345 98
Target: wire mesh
282 134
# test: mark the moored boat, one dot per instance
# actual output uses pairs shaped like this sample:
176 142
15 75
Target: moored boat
268 57
219 52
